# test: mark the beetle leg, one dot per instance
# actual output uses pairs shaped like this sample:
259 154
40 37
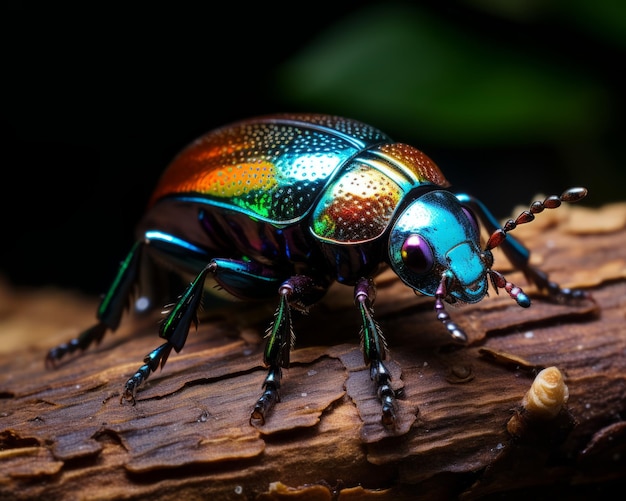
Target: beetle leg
110 310
554 290
298 291
151 361
375 349
280 340
174 328
458 335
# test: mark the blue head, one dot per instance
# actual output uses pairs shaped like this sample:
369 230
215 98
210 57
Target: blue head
436 239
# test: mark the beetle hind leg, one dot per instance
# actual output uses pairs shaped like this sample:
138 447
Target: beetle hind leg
85 339
110 310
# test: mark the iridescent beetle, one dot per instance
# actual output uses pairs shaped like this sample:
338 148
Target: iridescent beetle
284 206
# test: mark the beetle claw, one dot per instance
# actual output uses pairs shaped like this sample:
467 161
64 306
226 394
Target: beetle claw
130 389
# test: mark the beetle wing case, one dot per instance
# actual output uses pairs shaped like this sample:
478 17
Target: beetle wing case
249 182
252 183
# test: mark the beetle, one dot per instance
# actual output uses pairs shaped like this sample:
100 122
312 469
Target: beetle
282 206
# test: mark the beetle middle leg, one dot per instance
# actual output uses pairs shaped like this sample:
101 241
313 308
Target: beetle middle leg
298 291
375 349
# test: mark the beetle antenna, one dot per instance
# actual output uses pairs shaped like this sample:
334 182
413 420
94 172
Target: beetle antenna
551 202
497 237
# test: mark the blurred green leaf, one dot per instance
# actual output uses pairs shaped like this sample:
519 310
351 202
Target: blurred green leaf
601 19
396 64
604 19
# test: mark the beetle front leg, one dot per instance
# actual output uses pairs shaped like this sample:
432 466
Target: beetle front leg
375 349
554 290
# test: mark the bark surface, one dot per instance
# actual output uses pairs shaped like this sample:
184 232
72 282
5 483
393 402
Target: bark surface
64 434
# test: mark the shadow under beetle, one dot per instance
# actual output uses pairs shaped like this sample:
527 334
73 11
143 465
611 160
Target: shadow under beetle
285 205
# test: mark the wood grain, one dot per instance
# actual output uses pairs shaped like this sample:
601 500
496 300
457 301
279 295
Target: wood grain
64 434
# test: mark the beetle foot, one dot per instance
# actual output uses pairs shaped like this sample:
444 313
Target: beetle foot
270 396
387 397
131 386
567 295
386 394
58 352
570 295
554 290
264 404
151 362
82 342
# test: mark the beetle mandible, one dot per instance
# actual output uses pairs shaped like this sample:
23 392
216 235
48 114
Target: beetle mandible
285 205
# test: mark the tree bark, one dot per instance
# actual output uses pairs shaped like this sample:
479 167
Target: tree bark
64 434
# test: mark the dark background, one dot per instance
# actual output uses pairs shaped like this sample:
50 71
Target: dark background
510 100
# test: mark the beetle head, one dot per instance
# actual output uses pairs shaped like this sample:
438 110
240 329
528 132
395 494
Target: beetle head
435 237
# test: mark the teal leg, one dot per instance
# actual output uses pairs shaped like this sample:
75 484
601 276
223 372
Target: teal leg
375 350
298 291
112 306
235 276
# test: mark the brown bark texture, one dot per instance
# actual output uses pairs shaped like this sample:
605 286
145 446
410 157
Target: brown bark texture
461 432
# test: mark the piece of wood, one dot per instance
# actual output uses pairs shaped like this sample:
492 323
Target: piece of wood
64 434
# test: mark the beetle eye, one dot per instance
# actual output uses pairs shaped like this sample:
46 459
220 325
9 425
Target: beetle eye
417 254
472 219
